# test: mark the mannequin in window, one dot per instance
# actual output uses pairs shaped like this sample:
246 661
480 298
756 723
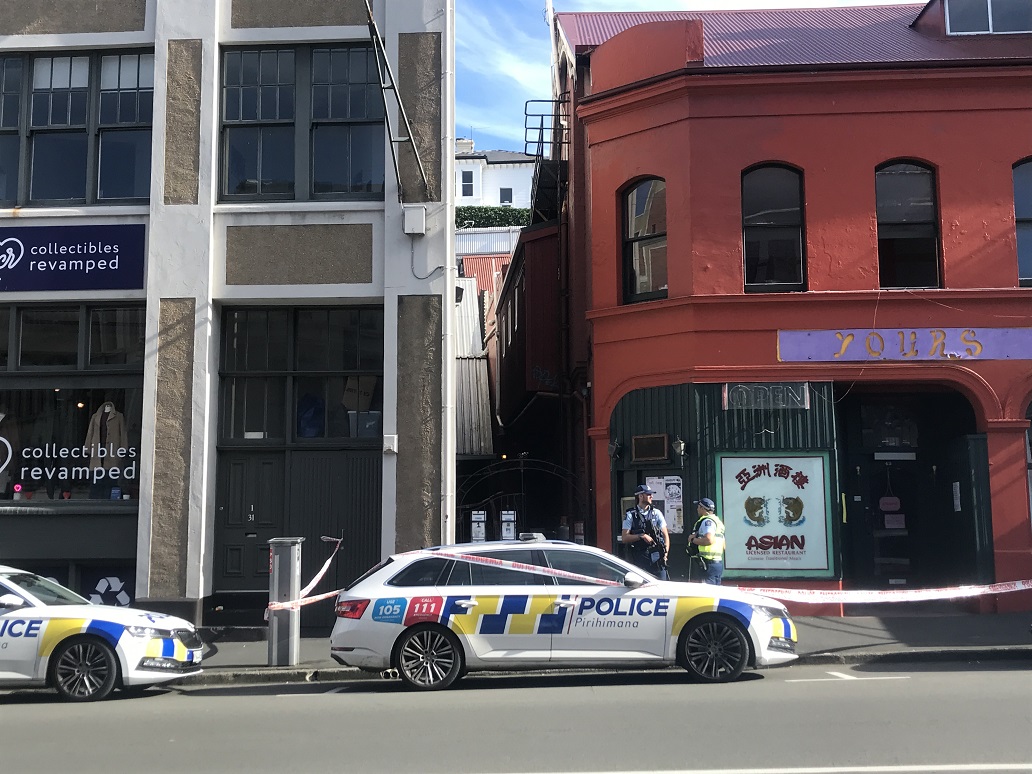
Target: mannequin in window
107 432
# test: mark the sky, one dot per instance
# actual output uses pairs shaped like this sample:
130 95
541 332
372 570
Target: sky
502 56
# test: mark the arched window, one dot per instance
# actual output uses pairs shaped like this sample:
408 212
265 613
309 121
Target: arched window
1023 219
772 229
645 241
908 226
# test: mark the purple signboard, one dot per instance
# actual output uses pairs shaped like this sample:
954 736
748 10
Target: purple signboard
902 344
109 257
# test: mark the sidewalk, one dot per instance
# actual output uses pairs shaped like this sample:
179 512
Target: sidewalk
848 640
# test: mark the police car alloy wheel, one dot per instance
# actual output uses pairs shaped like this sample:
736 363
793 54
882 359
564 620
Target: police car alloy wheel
84 670
713 649
429 658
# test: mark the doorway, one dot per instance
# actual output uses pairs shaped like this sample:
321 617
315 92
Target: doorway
915 479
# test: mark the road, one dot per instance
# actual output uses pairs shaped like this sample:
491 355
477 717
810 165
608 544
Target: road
901 718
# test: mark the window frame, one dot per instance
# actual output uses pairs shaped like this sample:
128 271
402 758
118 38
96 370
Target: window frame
286 379
629 242
989 31
502 200
935 223
93 129
1023 220
800 226
303 125
463 183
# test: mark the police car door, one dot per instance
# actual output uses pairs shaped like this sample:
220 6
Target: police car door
20 633
606 622
502 613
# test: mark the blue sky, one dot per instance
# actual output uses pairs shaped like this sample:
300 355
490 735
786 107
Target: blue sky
502 56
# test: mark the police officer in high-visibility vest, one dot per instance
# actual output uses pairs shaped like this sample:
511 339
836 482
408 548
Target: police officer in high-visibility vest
706 543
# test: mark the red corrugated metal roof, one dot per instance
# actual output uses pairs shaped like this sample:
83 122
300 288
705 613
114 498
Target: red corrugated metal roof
807 36
483 268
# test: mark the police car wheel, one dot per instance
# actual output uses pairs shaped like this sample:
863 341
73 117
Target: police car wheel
713 649
429 658
83 669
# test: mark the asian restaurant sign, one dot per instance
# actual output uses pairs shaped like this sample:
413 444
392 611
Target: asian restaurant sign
98 257
902 344
777 514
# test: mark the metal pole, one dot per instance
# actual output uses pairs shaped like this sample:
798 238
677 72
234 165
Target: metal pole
284 586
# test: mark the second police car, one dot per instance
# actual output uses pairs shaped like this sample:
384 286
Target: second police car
50 636
435 614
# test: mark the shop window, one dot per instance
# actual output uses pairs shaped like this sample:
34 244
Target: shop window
772 229
908 226
966 17
321 104
302 376
645 241
76 103
1023 219
70 432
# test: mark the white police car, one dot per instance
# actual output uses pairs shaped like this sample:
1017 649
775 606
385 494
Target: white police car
52 636
435 614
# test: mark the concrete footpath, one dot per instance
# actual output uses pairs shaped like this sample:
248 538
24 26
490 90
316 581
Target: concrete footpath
234 656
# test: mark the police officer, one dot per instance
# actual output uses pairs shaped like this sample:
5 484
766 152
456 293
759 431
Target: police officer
706 542
645 534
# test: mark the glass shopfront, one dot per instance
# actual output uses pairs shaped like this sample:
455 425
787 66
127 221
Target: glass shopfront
71 410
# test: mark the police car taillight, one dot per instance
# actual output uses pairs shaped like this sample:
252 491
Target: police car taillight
351 608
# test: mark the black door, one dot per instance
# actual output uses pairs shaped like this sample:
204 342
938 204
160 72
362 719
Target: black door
249 510
967 517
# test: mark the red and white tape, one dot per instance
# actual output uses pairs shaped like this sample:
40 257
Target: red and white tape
304 599
846 596
521 567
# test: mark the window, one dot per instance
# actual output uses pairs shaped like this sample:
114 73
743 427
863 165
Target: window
505 196
583 563
487 575
908 226
965 17
82 123
467 182
772 229
424 572
321 106
1023 219
326 365
645 243
71 406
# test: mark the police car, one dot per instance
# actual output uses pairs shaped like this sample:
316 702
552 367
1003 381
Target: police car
435 614
52 636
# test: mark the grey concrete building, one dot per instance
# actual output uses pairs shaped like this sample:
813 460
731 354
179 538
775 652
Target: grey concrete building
227 292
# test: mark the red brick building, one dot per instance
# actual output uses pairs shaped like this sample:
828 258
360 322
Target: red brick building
794 255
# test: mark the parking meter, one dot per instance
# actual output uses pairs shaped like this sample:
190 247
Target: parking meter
284 585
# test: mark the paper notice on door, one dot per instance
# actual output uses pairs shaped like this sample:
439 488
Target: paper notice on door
956 497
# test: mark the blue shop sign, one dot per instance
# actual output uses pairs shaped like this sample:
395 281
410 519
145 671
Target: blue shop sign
109 257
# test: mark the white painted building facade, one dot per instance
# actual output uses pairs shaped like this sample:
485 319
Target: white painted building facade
285 307
492 178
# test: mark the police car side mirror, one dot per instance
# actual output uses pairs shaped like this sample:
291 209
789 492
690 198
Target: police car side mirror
633 580
11 600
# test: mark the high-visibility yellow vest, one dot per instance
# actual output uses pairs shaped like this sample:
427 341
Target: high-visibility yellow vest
715 550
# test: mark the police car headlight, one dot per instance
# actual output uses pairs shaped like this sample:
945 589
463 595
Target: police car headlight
771 612
149 632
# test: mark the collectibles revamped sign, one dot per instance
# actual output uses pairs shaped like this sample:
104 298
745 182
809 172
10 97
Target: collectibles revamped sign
668 500
865 344
109 257
776 513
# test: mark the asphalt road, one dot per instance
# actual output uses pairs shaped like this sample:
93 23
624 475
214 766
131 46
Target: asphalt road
905 718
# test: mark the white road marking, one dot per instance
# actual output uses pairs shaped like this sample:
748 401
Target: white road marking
839 676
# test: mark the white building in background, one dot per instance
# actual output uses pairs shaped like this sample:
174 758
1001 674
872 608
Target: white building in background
493 178
225 317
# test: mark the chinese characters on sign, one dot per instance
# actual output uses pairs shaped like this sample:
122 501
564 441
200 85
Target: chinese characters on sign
902 344
776 513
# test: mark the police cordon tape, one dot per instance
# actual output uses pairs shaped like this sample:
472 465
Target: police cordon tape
532 569
813 596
